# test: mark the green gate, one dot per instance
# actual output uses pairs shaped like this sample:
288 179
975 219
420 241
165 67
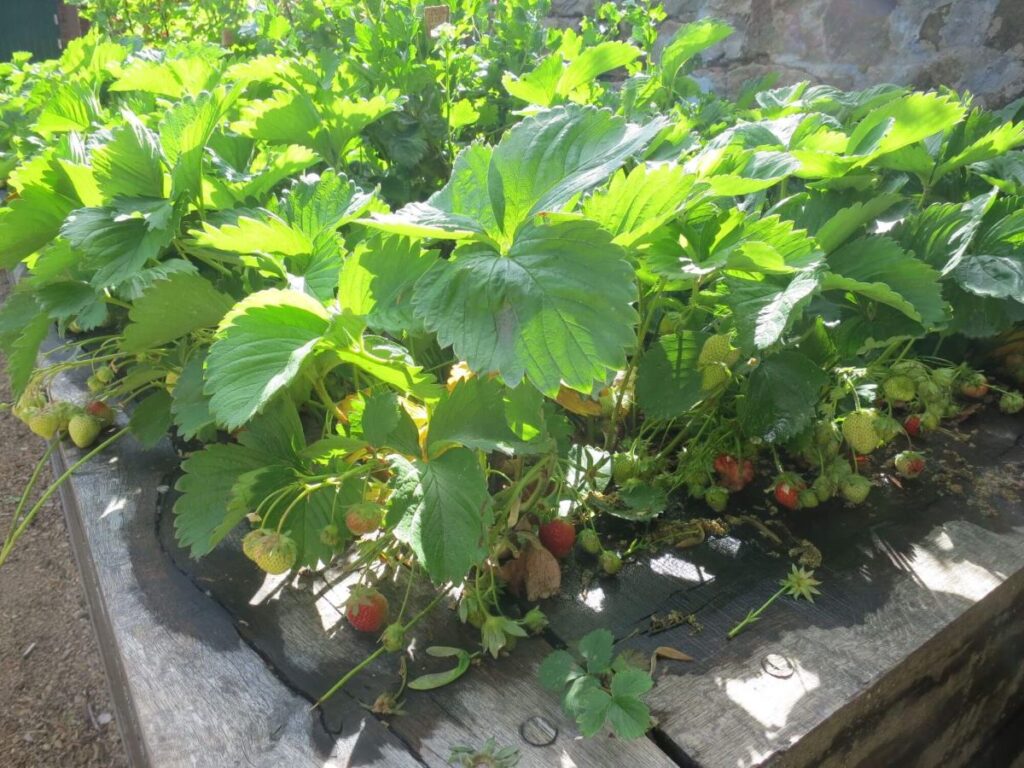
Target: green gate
28 25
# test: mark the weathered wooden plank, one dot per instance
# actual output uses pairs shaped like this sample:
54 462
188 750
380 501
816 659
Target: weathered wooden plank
189 690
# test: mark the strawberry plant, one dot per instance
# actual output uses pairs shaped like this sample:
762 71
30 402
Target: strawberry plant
444 306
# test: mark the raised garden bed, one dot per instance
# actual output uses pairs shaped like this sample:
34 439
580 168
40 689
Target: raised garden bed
910 657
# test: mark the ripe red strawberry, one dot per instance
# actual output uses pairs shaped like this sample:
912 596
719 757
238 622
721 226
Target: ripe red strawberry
366 609
734 475
909 464
558 537
787 489
365 518
912 425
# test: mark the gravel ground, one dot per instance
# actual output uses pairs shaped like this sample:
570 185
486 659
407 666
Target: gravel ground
55 709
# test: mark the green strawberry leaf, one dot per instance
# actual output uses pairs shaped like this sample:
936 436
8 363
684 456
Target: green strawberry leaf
559 669
172 308
129 165
190 407
151 418
29 222
596 649
260 349
781 396
447 514
764 310
557 309
256 231
473 415
668 383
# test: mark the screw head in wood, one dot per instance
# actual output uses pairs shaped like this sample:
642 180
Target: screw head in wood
538 731
777 665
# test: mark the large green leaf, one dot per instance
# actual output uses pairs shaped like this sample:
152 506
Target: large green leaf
447 515
903 121
764 310
129 165
190 407
378 278
201 517
635 204
544 161
593 62
473 415
847 221
119 240
993 144
172 308
781 396
878 268
29 222
317 203
997 277
261 346
185 131
668 383
557 309
258 231
688 41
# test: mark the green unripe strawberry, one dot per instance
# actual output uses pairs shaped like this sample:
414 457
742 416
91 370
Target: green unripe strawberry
909 464
103 375
83 430
170 380
855 488
45 422
589 541
1011 402
859 431
717 349
931 393
888 428
827 438
944 377
913 369
671 322
808 499
717 498
825 487
610 562
330 536
275 553
899 388
930 419
624 467
535 621
94 385
251 541
713 376
393 638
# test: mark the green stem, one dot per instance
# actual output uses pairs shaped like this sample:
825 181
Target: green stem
379 652
754 615
29 486
20 530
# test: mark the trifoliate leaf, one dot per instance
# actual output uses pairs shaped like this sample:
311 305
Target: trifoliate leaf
120 240
557 309
317 203
172 308
261 346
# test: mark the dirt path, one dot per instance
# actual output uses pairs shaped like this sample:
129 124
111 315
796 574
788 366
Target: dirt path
55 709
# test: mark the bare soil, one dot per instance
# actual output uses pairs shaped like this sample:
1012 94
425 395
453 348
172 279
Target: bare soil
55 707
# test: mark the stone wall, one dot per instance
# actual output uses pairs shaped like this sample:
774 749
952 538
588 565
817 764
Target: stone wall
976 45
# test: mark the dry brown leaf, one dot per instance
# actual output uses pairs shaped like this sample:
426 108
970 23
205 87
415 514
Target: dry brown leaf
667 652
534 574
